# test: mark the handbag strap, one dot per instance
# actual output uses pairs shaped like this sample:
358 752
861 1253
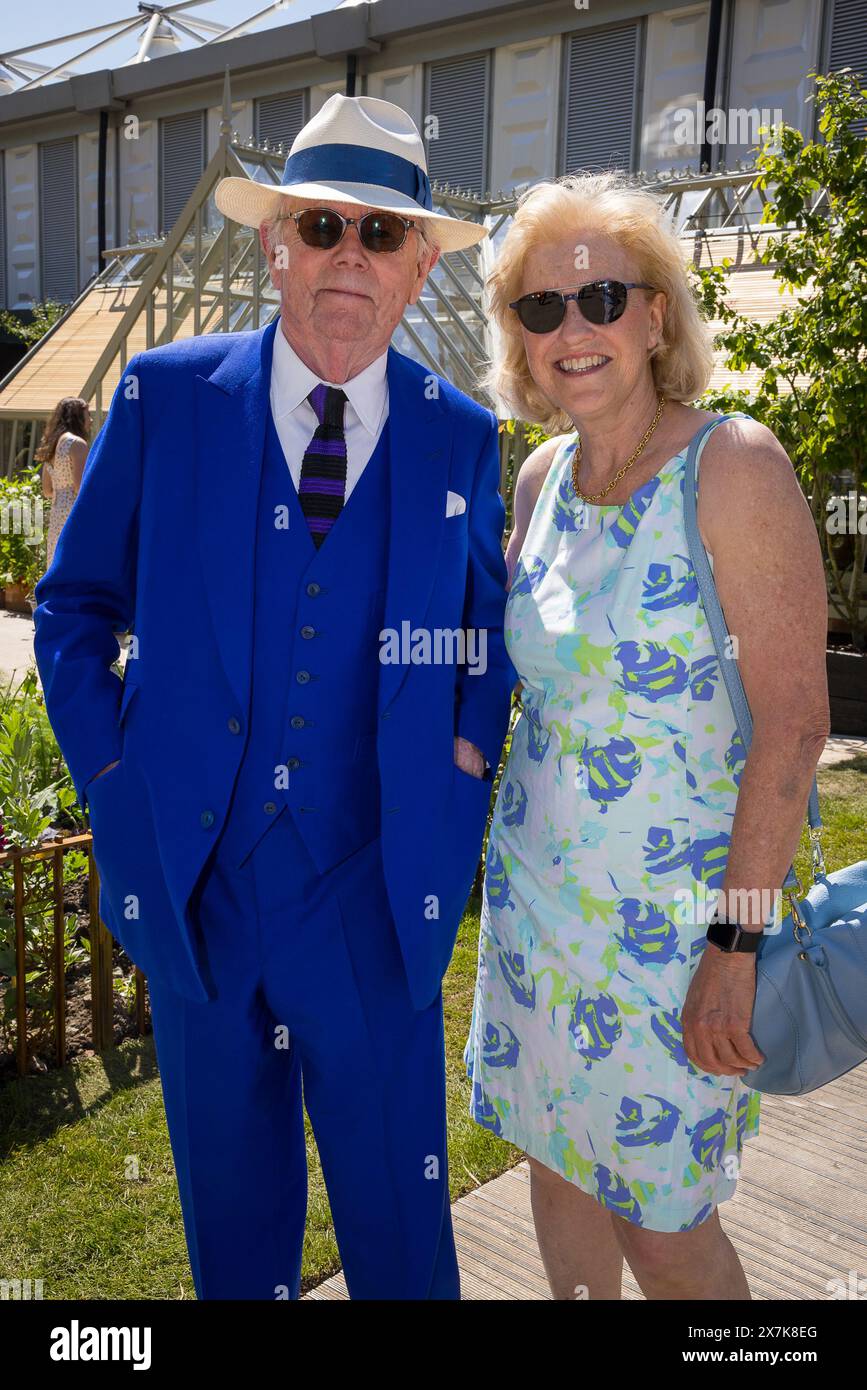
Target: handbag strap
714 613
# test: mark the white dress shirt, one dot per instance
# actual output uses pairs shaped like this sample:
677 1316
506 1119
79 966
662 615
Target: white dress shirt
365 413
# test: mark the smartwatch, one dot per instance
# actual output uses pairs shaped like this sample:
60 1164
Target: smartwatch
731 936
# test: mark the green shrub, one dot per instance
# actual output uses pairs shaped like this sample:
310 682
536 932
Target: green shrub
23 526
36 793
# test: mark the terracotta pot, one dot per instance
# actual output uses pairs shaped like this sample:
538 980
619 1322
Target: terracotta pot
15 598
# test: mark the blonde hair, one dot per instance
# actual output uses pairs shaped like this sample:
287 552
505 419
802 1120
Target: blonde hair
633 218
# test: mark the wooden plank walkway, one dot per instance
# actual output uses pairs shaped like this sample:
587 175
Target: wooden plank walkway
798 1219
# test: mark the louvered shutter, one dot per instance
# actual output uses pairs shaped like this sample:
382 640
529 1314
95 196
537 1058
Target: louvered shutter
182 159
848 47
58 220
279 118
600 99
458 95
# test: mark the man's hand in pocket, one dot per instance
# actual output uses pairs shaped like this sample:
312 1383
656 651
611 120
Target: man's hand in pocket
469 758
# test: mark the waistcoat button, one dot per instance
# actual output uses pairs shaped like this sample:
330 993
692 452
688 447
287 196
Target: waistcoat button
293 763
307 631
234 725
207 819
313 588
303 677
297 722
270 807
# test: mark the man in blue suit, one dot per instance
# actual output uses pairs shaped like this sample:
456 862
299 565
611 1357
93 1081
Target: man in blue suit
303 530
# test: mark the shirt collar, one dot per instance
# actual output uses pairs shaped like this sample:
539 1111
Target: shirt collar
292 381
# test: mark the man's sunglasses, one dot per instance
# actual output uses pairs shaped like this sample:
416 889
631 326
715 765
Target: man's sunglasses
602 301
324 228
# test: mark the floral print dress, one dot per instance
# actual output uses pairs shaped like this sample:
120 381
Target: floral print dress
65 491
608 841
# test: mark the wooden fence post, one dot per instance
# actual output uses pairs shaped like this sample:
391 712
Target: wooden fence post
101 990
59 960
20 968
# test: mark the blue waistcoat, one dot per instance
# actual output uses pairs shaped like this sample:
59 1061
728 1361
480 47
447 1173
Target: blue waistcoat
311 748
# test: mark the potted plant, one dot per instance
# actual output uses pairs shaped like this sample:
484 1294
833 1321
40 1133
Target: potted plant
22 538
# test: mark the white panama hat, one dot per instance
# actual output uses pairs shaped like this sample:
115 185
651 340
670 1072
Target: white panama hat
354 150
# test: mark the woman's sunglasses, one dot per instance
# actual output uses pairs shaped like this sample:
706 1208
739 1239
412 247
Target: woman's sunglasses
602 301
324 228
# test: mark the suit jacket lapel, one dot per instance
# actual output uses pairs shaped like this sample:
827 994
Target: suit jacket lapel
419 445
231 413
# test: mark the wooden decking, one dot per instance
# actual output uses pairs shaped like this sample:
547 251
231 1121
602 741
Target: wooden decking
797 1221
68 356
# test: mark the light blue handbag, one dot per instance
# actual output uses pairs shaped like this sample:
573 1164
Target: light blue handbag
810 1013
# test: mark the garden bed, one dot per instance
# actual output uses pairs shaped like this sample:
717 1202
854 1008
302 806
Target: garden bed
42 1054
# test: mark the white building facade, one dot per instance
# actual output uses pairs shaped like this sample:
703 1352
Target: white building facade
506 93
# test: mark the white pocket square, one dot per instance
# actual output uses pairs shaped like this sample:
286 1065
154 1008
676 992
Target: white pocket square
455 504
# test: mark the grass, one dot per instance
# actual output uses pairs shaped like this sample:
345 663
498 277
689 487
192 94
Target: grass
88 1201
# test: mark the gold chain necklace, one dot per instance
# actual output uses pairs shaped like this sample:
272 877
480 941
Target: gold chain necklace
621 472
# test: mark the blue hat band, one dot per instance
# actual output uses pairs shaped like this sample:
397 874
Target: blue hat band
357 164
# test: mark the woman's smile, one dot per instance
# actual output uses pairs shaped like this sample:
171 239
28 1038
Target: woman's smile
581 366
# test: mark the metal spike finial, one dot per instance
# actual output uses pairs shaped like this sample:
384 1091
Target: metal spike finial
226 117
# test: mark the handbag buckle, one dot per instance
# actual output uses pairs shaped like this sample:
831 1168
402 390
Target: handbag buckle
819 870
798 923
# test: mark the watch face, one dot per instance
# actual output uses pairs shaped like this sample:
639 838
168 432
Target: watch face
723 934
730 936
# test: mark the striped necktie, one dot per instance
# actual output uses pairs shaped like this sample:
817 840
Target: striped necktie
323 470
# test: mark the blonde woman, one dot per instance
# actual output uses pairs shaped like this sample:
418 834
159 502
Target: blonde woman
63 453
610 1035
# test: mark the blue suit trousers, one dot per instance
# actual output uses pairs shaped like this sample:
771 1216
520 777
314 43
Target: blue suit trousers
310 992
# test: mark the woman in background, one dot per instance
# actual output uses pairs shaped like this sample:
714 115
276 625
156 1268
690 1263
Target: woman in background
63 452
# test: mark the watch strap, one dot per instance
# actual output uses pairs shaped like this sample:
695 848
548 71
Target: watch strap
731 937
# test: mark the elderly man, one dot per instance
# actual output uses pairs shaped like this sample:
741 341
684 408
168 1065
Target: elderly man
288 793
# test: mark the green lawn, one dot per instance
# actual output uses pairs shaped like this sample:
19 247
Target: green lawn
72 1211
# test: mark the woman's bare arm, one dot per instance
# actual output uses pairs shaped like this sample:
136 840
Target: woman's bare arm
768 571
78 452
770 578
531 476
